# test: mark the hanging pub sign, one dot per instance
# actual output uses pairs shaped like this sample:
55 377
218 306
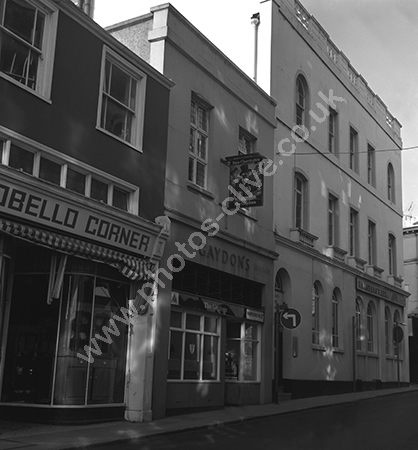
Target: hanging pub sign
246 180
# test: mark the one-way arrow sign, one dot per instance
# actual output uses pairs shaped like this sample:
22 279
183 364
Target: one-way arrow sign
290 318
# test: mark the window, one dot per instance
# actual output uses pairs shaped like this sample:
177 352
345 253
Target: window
121 108
27 40
301 100
242 351
56 170
387 330
246 143
332 220
371 165
371 243
315 314
198 147
332 131
335 331
353 149
353 230
370 329
194 347
397 322
392 254
391 183
358 325
300 201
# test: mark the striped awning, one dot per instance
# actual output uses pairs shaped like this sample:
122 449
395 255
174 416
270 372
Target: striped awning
130 266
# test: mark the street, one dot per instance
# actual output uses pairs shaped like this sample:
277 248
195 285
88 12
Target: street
383 423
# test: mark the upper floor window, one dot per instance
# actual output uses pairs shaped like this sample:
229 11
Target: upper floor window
353 149
353 230
332 220
198 146
27 41
300 201
246 142
332 131
371 243
391 183
121 106
301 100
58 171
392 254
371 169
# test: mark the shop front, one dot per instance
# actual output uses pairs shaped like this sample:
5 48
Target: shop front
219 328
69 269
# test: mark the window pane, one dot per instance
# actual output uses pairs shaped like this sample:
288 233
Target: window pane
192 322
200 174
120 199
174 362
232 357
50 171
175 319
76 181
211 324
120 85
210 357
250 360
116 119
191 356
21 159
20 18
98 190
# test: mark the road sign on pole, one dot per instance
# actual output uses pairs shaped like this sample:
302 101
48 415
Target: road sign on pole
290 318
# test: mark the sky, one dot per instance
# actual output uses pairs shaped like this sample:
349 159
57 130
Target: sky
378 37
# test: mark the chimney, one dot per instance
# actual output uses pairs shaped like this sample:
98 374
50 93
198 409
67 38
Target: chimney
86 5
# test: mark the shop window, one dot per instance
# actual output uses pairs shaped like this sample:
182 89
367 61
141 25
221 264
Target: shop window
315 314
371 338
358 325
388 323
194 347
121 108
76 181
27 39
99 190
335 319
120 199
242 351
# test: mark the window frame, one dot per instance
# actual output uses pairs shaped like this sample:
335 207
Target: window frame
388 327
47 53
40 151
300 208
196 131
137 128
371 325
202 333
358 324
335 335
353 232
371 165
333 131
333 220
248 139
353 149
301 101
371 242
391 183
392 254
315 314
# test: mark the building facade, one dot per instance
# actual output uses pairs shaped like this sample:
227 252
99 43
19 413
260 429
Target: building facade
214 310
338 153
83 138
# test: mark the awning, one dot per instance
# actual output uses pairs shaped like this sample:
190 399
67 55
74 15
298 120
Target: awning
130 266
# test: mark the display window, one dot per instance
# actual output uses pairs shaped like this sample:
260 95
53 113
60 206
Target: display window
194 346
242 351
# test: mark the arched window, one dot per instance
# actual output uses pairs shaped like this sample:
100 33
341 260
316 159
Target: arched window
370 329
278 284
388 327
358 324
301 101
392 254
335 326
391 183
315 314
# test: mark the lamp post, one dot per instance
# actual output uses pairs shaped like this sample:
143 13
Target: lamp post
255 20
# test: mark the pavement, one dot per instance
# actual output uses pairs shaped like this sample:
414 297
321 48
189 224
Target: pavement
17 435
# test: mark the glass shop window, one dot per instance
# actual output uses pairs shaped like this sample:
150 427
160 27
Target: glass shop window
242 351
194 347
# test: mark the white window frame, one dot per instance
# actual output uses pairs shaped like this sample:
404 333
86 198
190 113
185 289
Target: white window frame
353 232
371 165
9 137
391 183
46 61
194 156
392 254
137 131
332 219
333 131
371 242
353 149
300 101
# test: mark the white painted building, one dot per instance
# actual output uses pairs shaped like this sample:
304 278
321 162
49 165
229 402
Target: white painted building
338 211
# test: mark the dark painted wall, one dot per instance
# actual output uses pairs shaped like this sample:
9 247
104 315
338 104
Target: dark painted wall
68 125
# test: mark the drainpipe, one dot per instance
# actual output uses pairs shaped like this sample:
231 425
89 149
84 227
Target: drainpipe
255 20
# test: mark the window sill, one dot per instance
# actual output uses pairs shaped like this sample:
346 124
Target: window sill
242 381
338 350
113 136
45 98
319 348
200 191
